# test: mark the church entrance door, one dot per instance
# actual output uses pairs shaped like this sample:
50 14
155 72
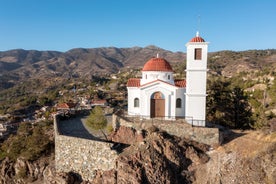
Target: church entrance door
157 105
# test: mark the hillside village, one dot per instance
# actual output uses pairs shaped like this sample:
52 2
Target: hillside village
75 100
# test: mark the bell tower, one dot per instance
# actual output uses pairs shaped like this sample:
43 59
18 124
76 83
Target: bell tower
196 79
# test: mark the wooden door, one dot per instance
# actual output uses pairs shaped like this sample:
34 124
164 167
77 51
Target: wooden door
152 108
157 108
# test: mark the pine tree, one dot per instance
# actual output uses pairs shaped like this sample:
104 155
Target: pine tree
240 109
96 120
228 106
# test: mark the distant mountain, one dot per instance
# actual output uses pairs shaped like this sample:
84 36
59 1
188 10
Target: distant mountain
18 65
13 59
229 63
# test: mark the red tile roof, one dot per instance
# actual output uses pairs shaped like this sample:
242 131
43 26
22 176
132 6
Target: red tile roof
133 82
66 105
180 83
98 101
157 64
177 83
197 39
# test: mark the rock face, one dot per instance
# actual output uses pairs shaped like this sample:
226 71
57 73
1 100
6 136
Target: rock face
127 135
40 171
51 176
159 158
7 171
249 158
22 171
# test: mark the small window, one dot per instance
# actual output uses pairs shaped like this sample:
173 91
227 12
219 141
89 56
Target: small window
198 54
136 102
146 76
178 103
169 77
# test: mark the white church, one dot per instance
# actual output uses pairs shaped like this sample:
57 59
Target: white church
158 95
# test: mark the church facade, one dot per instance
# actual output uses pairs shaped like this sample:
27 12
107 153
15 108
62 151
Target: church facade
158 95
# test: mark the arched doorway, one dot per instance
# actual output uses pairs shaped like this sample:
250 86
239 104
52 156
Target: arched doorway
157 105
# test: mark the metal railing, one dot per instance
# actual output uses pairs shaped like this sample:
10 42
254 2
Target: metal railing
134 117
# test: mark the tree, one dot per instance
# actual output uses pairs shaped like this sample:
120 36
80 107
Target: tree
228 106
218 97
240 109
96 120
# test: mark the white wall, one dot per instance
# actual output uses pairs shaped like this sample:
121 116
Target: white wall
149 76
166 89
170 92
196 82
180 93
133 92
196 107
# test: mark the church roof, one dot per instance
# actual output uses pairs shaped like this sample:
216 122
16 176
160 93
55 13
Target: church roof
135 82
197 38
157 64
180 83
66 105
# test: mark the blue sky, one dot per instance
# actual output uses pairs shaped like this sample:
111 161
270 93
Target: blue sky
65 24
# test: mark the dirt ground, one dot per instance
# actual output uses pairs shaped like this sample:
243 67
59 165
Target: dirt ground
245 157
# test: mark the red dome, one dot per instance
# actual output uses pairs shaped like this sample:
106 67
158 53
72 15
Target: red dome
197 39
157 64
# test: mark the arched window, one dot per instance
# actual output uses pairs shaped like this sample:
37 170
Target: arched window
136 102
178 103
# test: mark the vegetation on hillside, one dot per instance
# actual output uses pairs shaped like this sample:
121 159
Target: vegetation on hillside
228 105
30 143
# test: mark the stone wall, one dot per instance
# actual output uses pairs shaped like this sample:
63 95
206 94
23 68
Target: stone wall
82 156
206 135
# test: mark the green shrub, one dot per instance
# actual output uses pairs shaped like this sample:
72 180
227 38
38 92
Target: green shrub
109 128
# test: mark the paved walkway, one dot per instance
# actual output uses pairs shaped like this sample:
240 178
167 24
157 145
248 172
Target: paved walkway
75 127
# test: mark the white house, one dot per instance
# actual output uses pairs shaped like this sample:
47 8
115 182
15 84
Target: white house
158 94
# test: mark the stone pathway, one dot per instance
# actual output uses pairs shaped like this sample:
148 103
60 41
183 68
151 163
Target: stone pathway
76 127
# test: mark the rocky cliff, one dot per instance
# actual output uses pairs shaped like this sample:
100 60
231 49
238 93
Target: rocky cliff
157 157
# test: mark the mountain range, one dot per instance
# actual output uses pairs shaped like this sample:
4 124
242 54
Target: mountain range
17 65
